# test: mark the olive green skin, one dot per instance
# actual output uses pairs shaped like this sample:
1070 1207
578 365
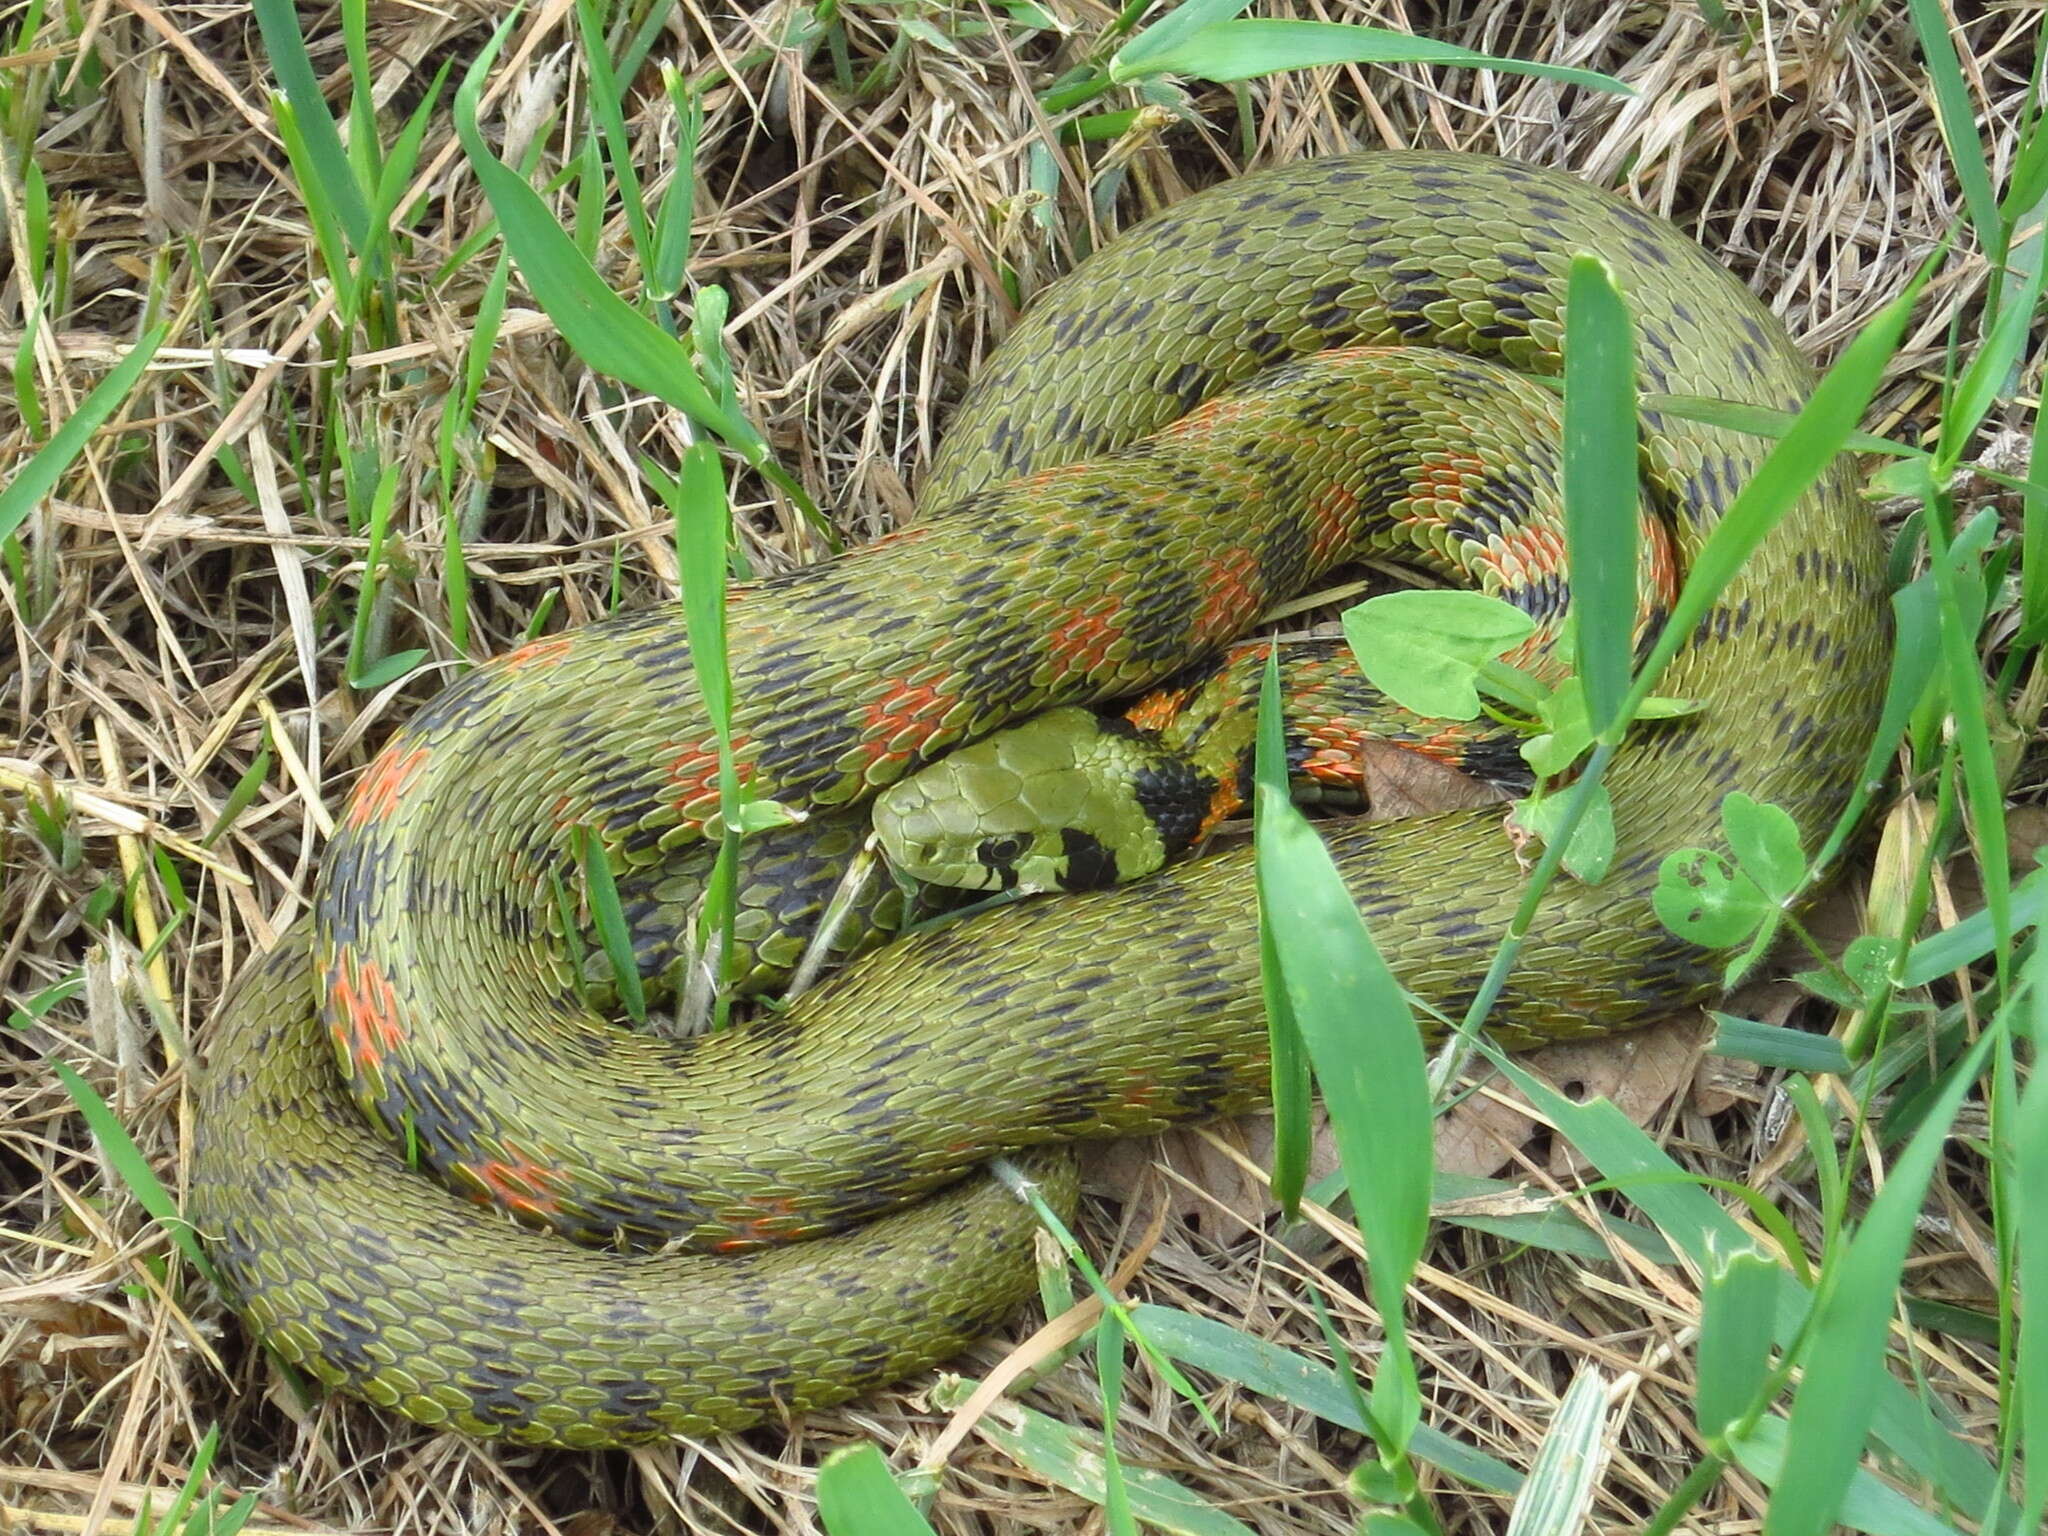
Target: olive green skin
1105 1014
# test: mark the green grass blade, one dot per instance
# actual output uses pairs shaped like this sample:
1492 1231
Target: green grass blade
1870 1506
2029 1181
604 99
1263 1367
1735 1338
601 891
1247 48
1687 1215
1773 1045
1789 470
329 178
1293 1090
1959 579
1071 1458
1958 120
1600 487
1831 1412
1367 1053
1971 939
671 260
858 1497
45 467
603 329
132 1168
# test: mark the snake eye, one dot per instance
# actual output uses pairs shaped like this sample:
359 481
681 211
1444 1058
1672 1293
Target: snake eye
1000 855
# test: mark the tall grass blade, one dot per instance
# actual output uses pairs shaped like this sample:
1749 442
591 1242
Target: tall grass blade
1832 1409
1366 1050
1601 530
45 467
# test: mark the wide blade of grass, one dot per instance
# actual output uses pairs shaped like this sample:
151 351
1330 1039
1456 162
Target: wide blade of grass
1689 1217
1248 47
1566 1472
1832 1410
1735 1337
1366 1049
1600 487
45 467
1071 1458
2029 1181
858 1497
1799 458
1958 119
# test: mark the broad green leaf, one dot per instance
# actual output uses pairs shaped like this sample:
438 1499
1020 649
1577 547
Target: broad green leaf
1765 841
1567 731
1699 897
858 1497
1591 850
1423 648
1601 532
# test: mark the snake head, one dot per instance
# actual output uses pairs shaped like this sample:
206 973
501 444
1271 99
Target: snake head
1067 801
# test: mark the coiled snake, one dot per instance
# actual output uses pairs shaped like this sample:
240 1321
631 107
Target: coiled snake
1414 287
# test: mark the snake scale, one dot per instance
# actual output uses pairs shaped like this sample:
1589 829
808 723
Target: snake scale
1206 416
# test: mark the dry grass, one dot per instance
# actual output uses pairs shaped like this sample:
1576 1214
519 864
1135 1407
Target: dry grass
165 627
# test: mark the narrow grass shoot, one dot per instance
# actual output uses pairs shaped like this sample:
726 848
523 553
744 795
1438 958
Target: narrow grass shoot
600 327
38 477
2027 1227
1260 1366
601 893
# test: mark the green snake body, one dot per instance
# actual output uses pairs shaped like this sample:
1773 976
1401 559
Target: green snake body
1355 326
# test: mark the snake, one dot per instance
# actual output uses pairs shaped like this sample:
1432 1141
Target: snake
432 1177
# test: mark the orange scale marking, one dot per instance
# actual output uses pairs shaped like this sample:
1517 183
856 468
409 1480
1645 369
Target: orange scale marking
1082 642
384 783
548 651
364 1017
1527 552
518 1183
906 717
1232 595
